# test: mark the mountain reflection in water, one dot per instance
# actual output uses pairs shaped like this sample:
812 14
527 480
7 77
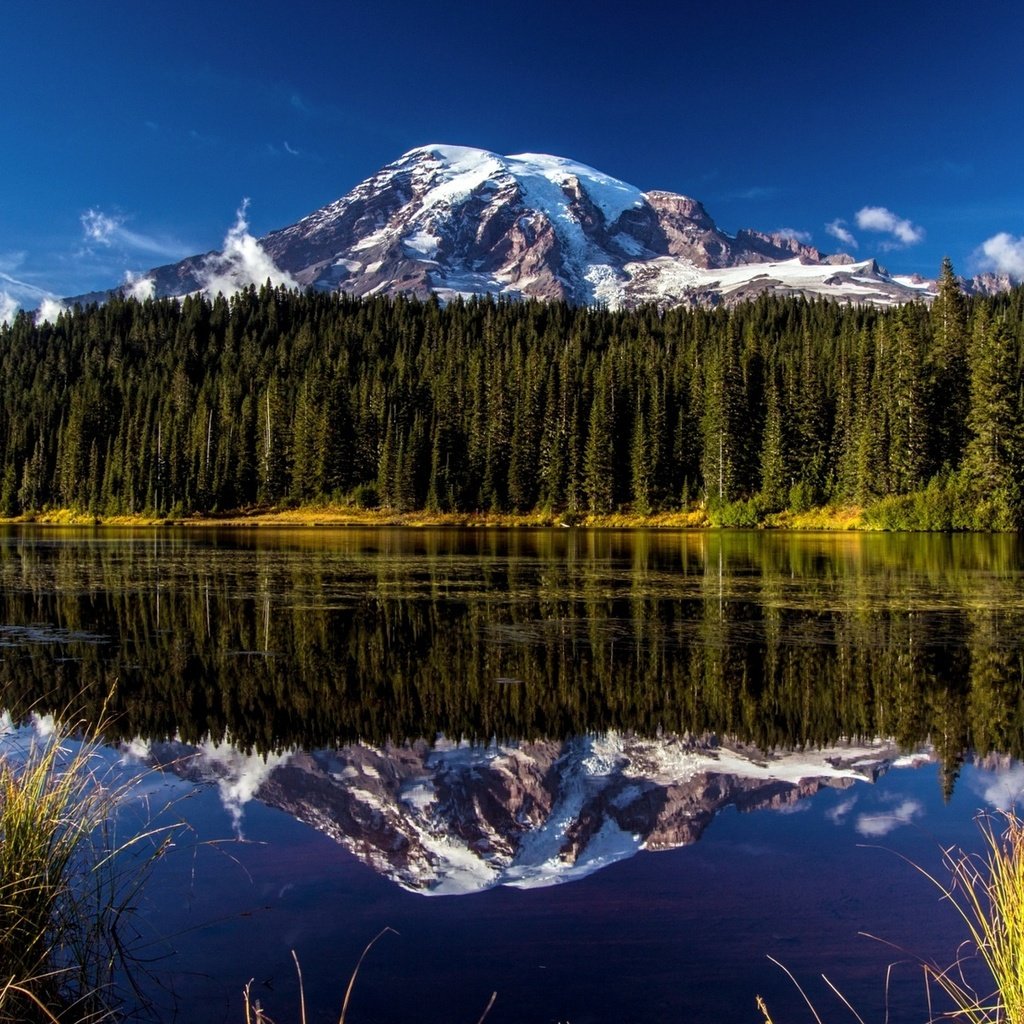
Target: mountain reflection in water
456 818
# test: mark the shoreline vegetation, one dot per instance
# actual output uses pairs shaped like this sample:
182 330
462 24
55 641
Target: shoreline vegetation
908 513
350 515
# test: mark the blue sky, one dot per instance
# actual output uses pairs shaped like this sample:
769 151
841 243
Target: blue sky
131 132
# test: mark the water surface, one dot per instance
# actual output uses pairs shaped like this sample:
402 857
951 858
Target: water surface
705 736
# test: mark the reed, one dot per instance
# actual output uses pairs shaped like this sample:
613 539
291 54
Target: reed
987 890
984 984
255 1013
63 893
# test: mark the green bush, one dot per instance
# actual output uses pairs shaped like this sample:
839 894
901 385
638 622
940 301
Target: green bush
742 514
366 496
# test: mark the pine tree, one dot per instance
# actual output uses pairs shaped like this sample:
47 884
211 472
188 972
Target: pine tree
993 460
598 456
950 387
774 490
641 465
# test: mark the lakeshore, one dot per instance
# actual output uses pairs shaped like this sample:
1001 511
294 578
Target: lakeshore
336 515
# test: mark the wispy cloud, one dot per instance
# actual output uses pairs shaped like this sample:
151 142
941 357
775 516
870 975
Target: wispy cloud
798 236
10 261
17 294
284 150
16 286
1002 253
109 230
838 229
882 823
901 231
754 192
838 813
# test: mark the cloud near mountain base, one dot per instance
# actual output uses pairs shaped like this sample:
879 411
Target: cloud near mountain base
243 262
1003 254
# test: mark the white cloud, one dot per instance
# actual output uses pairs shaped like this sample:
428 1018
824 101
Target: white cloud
797 236
838 229
290 149
239 776
878 218
1003 789
18 294
49 310
99 227
877 825
1004 254
8 308
139 287
242 263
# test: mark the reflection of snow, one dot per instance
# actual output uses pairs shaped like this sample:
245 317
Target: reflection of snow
884 822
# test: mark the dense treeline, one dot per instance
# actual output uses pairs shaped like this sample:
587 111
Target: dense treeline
178 407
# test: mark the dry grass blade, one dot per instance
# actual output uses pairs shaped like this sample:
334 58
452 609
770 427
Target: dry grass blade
789 974
302 991
487 1008
359 963
843 1000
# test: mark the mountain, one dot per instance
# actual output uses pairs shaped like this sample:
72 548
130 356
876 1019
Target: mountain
454 819
455 221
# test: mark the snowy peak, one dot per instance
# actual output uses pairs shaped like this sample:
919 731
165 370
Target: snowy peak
457 221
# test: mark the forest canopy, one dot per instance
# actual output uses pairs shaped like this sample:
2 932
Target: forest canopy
179 407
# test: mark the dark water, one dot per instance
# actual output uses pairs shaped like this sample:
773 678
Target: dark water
774 721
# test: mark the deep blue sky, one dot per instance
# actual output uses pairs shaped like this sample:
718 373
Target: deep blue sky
160 117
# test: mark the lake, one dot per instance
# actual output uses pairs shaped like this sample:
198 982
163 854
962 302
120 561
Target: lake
604 774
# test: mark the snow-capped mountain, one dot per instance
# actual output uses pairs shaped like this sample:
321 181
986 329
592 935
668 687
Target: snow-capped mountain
454 819
455 221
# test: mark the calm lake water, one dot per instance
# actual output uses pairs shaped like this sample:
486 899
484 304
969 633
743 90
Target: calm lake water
605 774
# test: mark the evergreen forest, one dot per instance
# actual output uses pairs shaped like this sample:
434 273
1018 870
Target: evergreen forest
272 397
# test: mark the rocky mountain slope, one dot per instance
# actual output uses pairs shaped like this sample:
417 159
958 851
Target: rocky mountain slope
455 221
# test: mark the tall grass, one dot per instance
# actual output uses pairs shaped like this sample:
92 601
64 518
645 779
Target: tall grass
62 894
986 980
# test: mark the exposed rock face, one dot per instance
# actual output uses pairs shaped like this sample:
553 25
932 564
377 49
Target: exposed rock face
989 284
459 819
452 221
